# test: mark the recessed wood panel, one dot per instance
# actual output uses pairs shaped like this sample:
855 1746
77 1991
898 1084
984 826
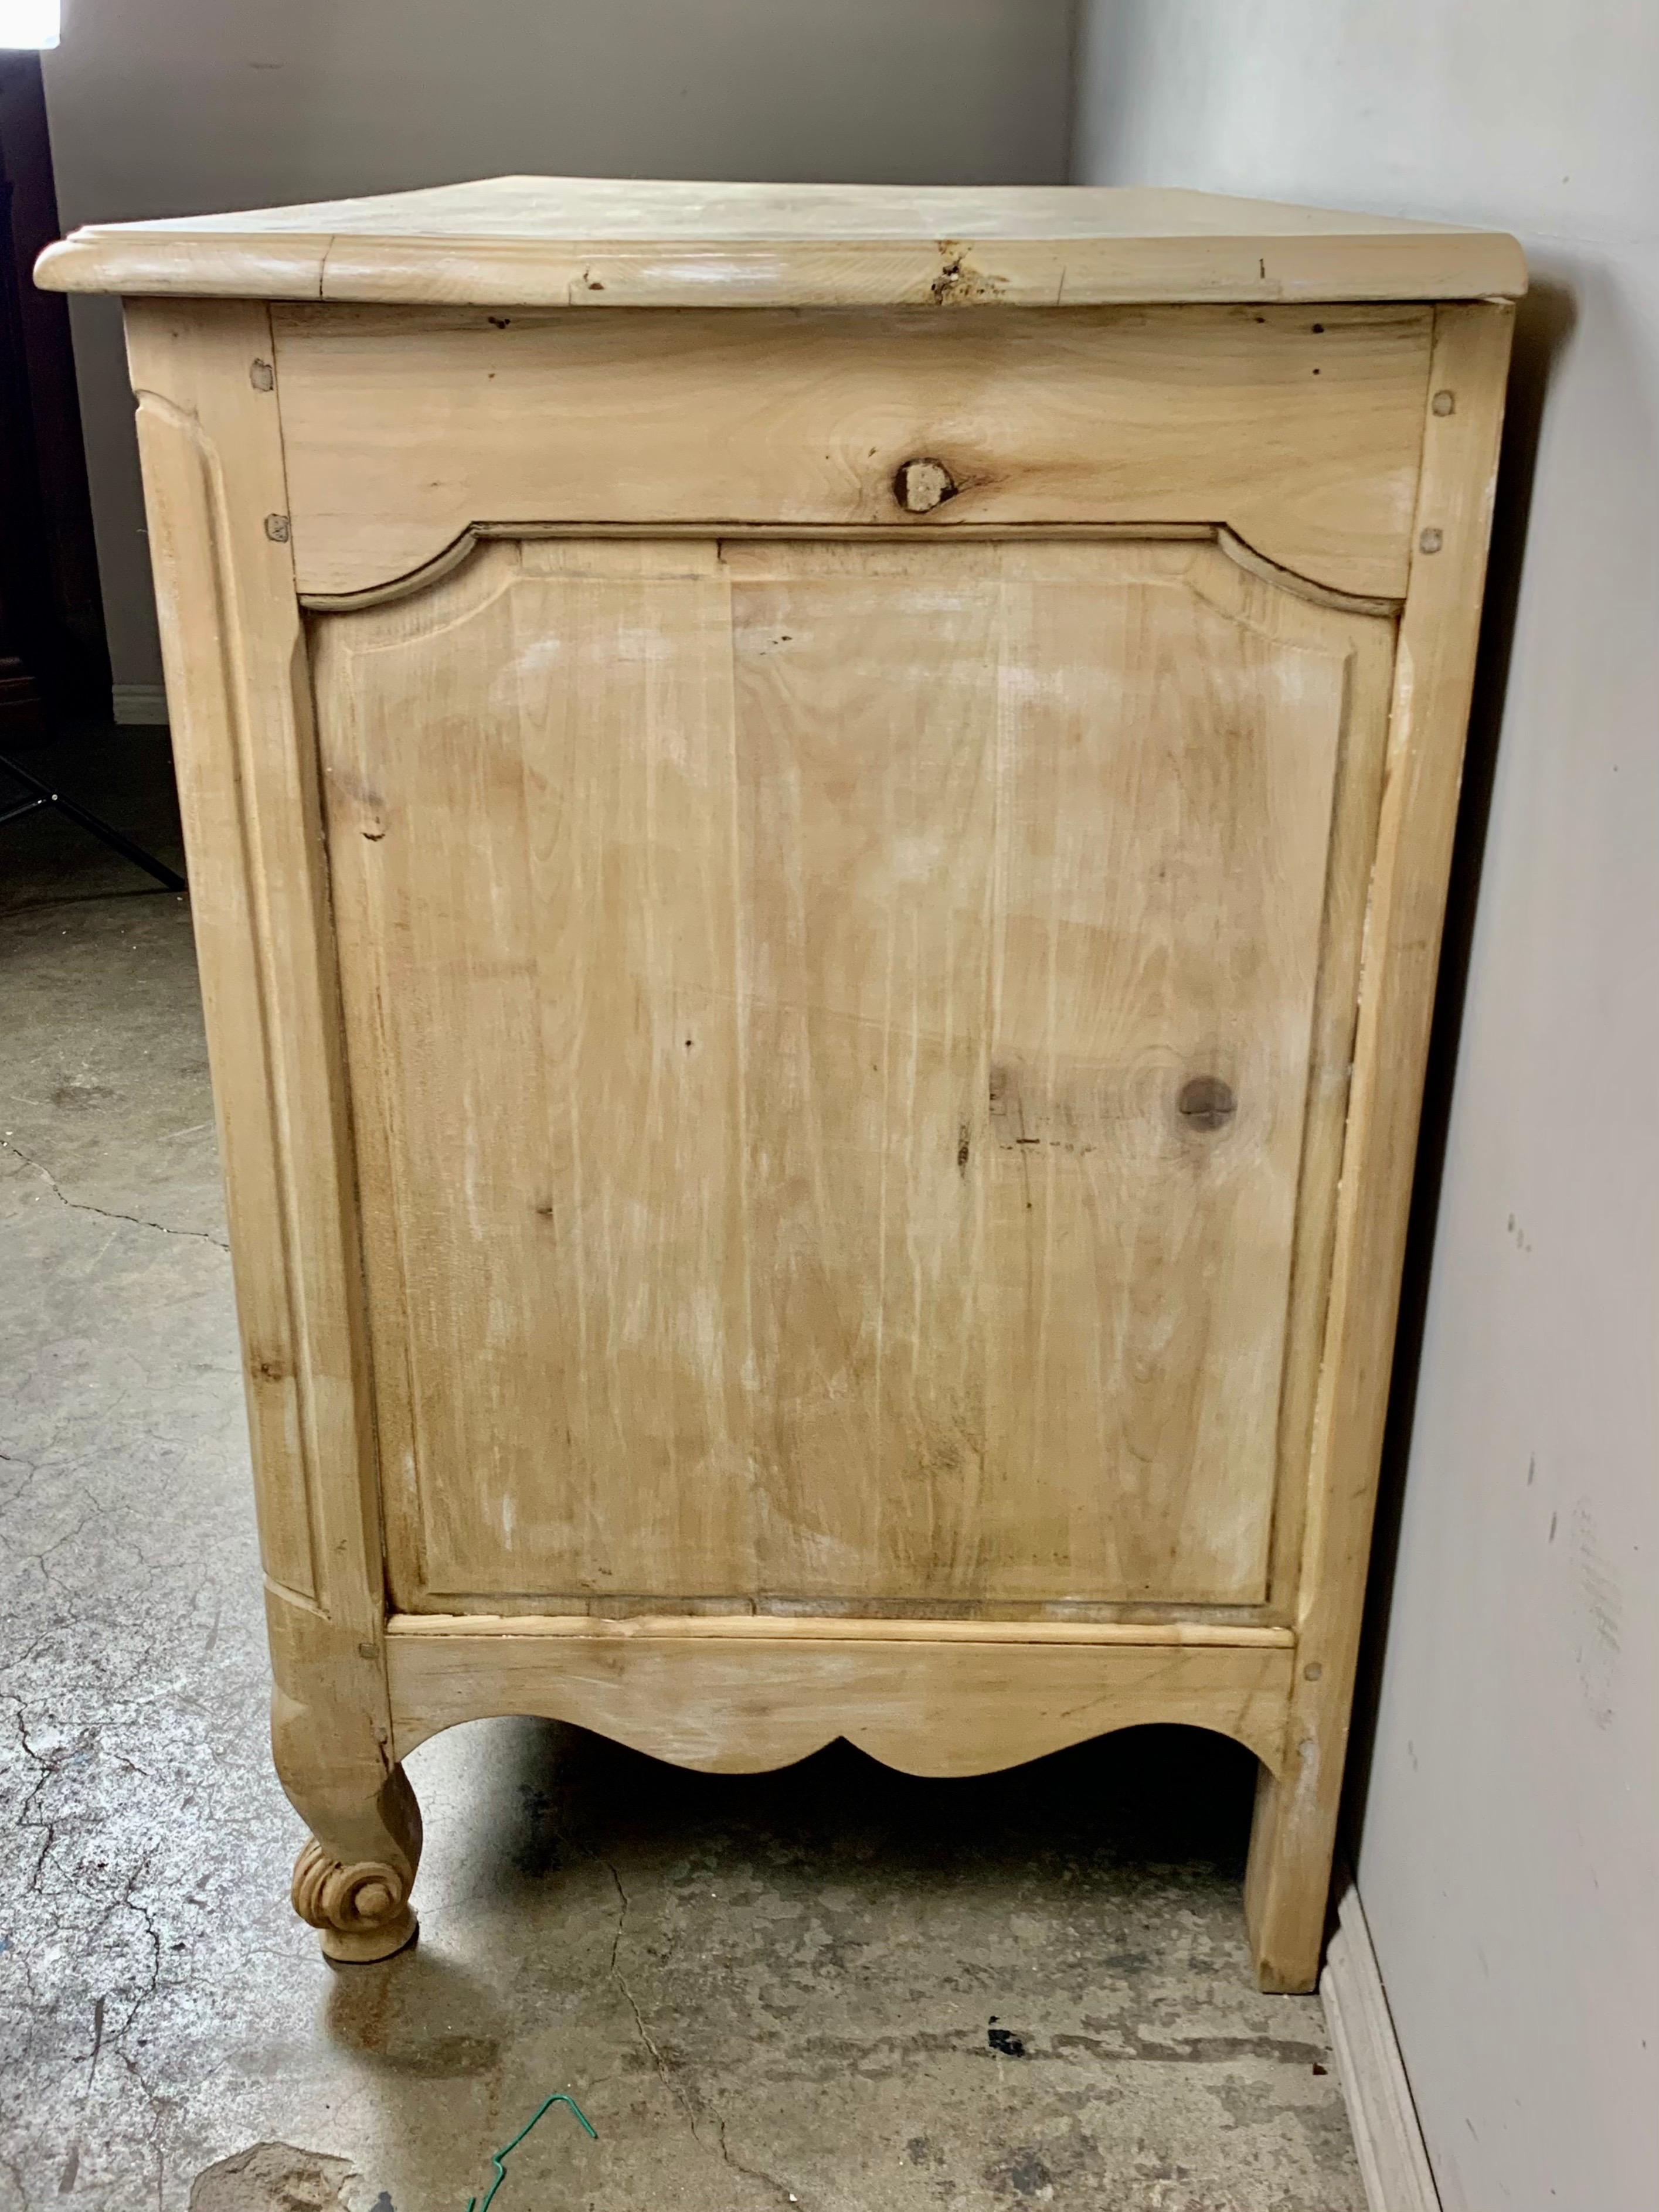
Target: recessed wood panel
1299 428
830 1031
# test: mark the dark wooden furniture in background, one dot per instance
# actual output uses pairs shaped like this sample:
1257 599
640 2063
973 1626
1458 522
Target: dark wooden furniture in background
54 661
54 657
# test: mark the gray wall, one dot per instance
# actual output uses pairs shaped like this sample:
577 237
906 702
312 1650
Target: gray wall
183 107
1509 1846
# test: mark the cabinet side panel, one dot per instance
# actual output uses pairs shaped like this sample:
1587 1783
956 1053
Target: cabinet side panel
829 1028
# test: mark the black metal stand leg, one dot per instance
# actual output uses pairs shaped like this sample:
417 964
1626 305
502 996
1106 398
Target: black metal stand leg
42 794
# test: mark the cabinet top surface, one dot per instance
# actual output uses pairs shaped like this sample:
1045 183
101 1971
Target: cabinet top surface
582 241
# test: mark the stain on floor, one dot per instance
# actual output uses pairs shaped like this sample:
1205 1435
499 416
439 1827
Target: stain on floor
834 1987
271 2177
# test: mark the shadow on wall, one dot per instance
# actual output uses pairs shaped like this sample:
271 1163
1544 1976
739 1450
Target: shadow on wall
1544 320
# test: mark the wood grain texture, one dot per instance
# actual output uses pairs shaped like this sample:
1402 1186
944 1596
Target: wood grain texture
818 1012
830 1031
240 709
231 635
1299 428
785 1628
460 550
598 242
732 1707
1296 1815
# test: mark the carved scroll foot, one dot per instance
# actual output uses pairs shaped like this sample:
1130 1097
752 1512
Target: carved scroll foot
362 1911
352 1881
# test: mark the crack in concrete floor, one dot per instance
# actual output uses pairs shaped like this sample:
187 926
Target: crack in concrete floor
81 1205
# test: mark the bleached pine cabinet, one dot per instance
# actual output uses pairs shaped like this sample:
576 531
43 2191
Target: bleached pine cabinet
818 820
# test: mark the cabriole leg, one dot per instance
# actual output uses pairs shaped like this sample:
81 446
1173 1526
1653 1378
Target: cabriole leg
333 1751
353 1877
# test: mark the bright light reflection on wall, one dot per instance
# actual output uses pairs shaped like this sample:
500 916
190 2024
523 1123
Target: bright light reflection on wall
29 23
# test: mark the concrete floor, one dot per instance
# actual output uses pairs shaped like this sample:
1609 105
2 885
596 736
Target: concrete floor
833 1987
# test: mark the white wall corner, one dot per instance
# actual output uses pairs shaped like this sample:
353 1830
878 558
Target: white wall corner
1388 2141
139 703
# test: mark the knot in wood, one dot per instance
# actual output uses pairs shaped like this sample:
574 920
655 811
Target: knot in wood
1206 1102
921 485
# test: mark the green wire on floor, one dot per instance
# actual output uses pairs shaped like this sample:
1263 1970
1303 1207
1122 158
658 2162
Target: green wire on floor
499 2161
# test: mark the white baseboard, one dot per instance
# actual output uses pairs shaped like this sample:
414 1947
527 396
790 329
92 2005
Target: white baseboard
1392 2163
144 704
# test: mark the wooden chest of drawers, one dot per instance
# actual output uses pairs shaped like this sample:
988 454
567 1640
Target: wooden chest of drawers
818 824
